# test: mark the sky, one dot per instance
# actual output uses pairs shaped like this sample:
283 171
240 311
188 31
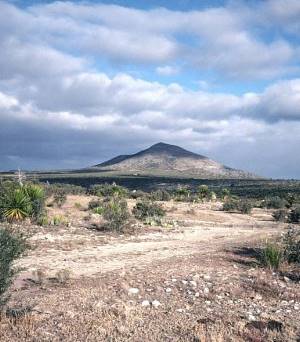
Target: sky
84 81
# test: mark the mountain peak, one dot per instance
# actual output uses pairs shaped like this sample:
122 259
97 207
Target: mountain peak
168 149
162 158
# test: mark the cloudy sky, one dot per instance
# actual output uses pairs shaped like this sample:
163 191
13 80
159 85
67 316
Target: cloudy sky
81 82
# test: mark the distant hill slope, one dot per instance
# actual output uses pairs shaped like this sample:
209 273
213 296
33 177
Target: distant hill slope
164 158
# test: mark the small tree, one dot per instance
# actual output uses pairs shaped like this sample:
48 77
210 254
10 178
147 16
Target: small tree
115 212
12 246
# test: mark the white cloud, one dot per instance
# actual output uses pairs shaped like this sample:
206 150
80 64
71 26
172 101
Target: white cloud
167 70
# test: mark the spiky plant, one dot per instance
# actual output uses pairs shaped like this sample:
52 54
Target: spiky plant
15 205
36 195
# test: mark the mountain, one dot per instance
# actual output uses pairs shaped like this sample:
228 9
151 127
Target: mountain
166 159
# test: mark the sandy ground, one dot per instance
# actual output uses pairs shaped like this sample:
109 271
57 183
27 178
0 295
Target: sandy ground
195 280
201 228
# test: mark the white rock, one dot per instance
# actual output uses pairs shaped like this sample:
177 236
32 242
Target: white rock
197 294
156 303
296 307
133 290
174 280
145 303
206 277
184 282
251 317
168 290
208 302
206 290
193 283
180 310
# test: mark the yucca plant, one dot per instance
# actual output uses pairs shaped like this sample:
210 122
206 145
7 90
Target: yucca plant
15 205
36 195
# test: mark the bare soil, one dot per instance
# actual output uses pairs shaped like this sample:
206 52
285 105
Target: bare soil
196 279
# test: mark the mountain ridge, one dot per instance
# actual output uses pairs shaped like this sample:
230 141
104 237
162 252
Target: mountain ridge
166 158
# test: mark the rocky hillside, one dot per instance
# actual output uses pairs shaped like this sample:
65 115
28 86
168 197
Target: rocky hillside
163 158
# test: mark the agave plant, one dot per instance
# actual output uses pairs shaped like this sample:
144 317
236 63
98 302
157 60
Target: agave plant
36 195
16 205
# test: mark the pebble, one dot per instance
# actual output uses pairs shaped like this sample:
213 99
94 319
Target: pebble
206 277
168 290
145 303
206 290
133 290
193 283
251 317
180 310
156 303
197 294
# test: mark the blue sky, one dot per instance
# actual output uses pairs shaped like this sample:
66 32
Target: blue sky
83 81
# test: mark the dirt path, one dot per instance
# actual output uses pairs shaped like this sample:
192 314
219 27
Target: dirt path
95 257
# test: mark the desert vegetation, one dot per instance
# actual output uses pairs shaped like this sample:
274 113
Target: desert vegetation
146 253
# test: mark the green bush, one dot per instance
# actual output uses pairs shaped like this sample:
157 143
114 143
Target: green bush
95 203
291 241
275 202
135 194
160 195
294 216
148 209
115 212
245 206
280 215
68 189
182 194
108 190
230 205
59 197
12 246
271 256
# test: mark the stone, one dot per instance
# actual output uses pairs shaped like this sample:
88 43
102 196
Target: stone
193 283
133 291
156 303
145 303
168 290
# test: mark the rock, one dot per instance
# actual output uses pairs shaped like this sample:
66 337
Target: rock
180 310
286 279
296 307
156 304
145 303
184 282
168 290
193 283
197 294
251 317
174 280
206 277
206 290
133 291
